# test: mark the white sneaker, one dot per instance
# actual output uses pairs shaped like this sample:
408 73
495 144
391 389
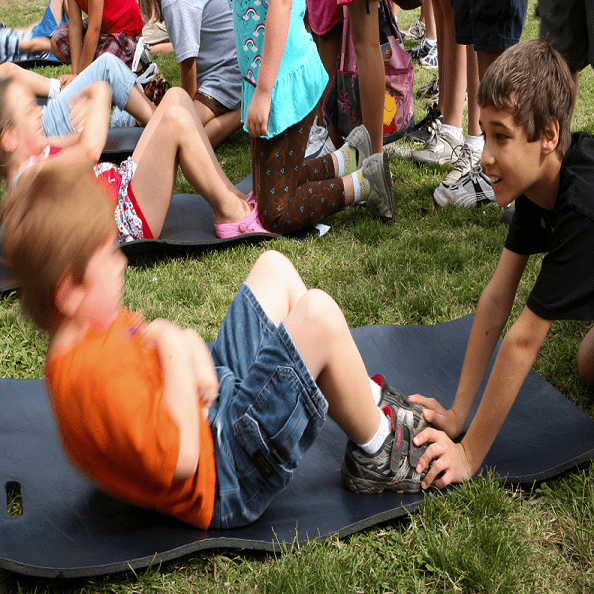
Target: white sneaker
464 158
318 143
439 148
472 189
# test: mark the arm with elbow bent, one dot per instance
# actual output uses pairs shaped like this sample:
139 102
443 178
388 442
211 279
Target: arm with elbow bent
188 375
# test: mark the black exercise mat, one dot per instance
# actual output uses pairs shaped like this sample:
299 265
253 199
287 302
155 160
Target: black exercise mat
189 226
69 529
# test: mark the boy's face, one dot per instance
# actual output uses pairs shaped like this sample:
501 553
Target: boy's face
509 160
102 284
26 120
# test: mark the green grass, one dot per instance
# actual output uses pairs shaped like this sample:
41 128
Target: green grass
428 267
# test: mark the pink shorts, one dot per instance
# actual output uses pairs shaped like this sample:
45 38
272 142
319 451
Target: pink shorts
323 15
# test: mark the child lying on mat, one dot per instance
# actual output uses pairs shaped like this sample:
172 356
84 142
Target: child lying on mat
150 415
55 117
526 101
142 187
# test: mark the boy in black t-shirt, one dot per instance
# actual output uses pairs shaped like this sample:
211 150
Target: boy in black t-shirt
526 101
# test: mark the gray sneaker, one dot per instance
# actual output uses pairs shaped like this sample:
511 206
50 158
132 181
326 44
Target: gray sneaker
464 158
438 149
472 189
391 468
382 199
416 31
359 139
409 413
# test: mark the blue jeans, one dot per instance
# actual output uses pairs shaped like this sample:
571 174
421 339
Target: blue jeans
268 413
56 114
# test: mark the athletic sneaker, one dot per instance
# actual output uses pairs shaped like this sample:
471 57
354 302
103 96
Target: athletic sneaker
429 90
430 60
391 468
409 413
421 50
422 131
438 149
360 140
318 143
464 157
416 31
472 189
382 199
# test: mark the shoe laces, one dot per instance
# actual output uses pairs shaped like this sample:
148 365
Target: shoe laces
463 158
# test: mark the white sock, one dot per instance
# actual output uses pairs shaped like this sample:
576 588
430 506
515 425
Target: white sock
376 390
431 42
54 88
476 142
453 131
377 441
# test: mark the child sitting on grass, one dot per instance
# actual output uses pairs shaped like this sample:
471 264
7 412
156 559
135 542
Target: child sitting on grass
150 415
142 187
526 101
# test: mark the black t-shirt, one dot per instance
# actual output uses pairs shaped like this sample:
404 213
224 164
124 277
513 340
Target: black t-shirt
564 289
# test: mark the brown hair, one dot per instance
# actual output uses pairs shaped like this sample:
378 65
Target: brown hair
151 10
52 224
533 81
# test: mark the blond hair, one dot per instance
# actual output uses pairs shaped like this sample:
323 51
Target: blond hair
533 81
5 120
52 224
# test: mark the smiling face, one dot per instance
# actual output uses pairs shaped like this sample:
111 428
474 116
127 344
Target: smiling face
514 165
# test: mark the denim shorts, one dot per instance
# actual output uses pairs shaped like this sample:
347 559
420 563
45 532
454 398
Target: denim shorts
268 413
489 24
55 118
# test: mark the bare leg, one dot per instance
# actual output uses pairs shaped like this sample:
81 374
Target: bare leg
451 66
428 18
322 337
372 77
472 85
485 59
586 359
39 84
139 106
173 136
218 128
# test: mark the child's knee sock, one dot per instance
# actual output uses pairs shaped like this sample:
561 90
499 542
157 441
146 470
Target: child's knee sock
377 441
361 186
347 157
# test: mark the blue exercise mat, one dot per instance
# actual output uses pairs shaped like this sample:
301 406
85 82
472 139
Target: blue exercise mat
70 529
189 226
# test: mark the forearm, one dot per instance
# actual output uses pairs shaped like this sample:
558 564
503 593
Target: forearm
94 131
89 48
189 77
488 324
75 34
514 360
275 39
179 394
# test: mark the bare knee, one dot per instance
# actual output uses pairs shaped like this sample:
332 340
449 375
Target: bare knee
322 316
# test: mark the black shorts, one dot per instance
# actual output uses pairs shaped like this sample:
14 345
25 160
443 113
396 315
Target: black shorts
569 26
489 24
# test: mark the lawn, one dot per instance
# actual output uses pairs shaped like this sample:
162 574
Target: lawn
429 266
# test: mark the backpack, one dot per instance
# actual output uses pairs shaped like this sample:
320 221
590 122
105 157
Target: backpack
342 105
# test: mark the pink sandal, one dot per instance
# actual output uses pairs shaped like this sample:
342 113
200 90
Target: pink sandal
251 224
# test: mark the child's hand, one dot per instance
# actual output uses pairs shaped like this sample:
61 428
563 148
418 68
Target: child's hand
257 115
66 79
438 416
450 463
84 105
207 382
